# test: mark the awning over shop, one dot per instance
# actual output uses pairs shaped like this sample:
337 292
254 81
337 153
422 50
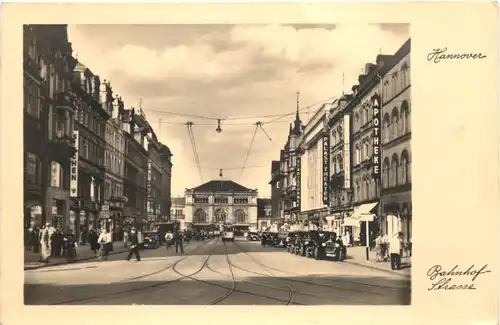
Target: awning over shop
361 213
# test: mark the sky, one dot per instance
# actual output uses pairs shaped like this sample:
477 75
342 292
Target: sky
240 74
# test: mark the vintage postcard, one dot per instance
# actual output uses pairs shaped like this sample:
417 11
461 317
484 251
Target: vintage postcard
170 157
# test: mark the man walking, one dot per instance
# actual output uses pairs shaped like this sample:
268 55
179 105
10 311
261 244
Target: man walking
168 239
395 246
134 246
178 242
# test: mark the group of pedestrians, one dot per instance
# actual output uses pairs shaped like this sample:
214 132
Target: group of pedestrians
176 239
49 241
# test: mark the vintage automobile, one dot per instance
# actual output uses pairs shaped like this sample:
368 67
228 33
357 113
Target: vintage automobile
336 249
151 240
280 240
253 236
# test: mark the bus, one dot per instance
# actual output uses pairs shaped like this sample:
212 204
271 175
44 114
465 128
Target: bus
228 232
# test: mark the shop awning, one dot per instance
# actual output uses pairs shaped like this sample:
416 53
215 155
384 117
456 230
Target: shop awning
361 213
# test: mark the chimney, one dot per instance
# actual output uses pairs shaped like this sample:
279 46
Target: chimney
361 78
367 68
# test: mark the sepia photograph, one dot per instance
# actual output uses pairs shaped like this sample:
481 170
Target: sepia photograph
217 164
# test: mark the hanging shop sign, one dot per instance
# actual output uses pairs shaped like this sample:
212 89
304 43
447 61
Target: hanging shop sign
347 151
297 179
73 176
326 167
376 159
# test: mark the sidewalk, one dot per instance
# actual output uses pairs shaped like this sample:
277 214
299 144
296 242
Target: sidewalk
357 255
31 260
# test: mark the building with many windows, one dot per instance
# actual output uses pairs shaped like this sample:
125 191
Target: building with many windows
177 213
49 109
315 170
136 166
264 213
166 158
340 168
221 201
276 195
396 146
87 181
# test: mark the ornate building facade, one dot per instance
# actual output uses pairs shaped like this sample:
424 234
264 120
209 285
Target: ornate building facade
87 180
218 202
396 147
49 109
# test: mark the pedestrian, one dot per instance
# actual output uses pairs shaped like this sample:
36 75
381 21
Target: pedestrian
134 246
178 242
105 241
168 239
45 244
93 237
395 246
140 239
83 236
125 237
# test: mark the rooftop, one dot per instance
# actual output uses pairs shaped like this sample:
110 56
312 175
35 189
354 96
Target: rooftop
222 186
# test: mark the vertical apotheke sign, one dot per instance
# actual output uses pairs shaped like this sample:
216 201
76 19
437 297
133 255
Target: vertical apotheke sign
326 168
73 173
347 151
376 161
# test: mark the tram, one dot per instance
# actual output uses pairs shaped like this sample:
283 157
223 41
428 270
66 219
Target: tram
227 232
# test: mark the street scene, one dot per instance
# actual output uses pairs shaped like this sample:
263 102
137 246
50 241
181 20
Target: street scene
217 164
213 272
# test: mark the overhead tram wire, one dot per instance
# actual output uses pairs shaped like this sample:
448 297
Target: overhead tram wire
249 150
195 151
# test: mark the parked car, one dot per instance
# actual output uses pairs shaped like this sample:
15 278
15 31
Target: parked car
151 240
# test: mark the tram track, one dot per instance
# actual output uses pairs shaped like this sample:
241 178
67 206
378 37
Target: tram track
323 285
129 280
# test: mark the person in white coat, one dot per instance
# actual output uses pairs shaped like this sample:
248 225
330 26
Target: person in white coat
105 242
45 243
395 246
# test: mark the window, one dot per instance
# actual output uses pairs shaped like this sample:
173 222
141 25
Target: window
386 132
240 216
32 169
220 216
365 150
334 165
365 111
367 189
404 118
278 185
357 192
404 76
356 119
394 170
394 84
386 173
385 91
358 154
405 168
334 138
394 123
240 200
